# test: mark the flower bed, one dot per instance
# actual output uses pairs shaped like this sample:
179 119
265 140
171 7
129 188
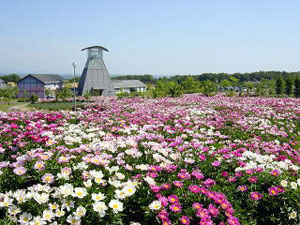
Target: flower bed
190 160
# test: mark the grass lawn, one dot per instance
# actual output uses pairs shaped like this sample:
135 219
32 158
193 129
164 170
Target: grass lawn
54 106
5 106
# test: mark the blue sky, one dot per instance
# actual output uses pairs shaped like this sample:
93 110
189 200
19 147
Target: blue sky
159 37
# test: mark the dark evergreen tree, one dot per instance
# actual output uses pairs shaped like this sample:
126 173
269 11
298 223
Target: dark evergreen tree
279 86
297 88
289 86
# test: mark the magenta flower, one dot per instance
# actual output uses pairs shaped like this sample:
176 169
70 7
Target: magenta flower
253 179
273 191
216 163
185 220
178 184
213 210
256 196
194 188
173 199
175 207
275 172
242 188
197 205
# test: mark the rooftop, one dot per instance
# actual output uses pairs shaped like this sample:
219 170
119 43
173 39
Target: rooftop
46 78
96 46
127 83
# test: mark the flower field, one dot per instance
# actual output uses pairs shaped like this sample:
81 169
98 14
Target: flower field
188 160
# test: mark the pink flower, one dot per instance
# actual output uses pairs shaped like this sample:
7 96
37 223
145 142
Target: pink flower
242 188
194 188
166 186
19 170
197 205
173 199
253 179
275 172
256 196
202 157
48 178
175 207
178 184
213 210
273 191
216 163
184 220
197 174
39 165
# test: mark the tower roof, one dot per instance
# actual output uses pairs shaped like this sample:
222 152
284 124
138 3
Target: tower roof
96 46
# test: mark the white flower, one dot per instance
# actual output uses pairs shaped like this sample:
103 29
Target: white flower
96 174
41 198
293 214
25 218
14 210
116 205
298 181
294 185
284 183
80 192
37 221
67 204
53 206
59 213
88 183
129 190
155 205
66 189
80 211
98 197
73 220
48 215
100 207
120 194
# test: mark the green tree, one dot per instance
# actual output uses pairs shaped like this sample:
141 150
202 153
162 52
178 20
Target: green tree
289 86
279 86
209 88
33 99
175 89
11 77
225 83
64 93
297 88
189 85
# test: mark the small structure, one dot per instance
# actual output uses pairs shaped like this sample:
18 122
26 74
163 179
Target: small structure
127 86
3 84
95 78
36 84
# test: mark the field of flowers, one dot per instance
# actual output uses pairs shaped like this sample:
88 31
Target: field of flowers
188 160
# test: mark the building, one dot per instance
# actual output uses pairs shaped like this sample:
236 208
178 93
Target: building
36 84
2 84
95 78
128 86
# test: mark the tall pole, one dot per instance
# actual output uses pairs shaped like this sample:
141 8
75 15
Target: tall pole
74 91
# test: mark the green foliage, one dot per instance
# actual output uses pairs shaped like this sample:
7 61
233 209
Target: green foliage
9 92
189 85
87 96
175 89
209 88
225 83
33 99
165 88
297 88
55 106
10 78
279 86
64 93
288 86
